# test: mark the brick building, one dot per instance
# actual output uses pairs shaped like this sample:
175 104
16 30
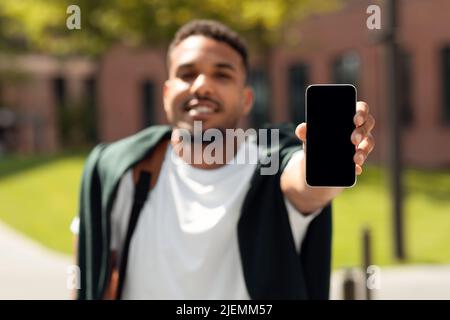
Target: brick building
126 83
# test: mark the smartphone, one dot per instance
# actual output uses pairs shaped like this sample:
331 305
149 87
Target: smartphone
329 151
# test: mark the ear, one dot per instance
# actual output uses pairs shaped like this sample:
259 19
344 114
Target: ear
248 97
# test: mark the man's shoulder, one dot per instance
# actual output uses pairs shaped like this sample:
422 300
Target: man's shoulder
142 139
134 145
116 157
280 139
284 133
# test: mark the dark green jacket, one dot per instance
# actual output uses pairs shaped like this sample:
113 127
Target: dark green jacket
272 268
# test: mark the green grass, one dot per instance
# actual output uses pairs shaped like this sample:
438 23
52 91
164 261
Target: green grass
426 216
39 197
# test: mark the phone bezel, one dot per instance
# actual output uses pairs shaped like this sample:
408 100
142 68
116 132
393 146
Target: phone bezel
306 120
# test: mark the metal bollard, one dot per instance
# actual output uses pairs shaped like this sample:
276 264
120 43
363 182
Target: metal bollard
367 259
349 285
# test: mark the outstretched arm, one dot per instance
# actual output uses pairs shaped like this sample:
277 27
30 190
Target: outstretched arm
306 199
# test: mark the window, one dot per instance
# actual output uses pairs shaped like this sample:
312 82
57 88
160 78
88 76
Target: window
446 83
90 92
258 81
346 69
59 91
297 83
147 103
63 113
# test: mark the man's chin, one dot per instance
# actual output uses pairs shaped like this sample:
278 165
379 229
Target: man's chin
201 125
202 132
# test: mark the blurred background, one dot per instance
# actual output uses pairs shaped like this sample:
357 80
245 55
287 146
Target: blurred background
64 89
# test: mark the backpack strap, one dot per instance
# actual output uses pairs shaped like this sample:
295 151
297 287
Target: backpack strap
145 176
152 163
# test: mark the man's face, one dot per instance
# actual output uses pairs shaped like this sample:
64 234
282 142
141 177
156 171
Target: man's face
206 83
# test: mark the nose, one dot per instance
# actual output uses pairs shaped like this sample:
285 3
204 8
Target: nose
202 86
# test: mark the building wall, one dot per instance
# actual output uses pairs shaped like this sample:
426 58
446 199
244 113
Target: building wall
121 73
321 39
425 31
31 96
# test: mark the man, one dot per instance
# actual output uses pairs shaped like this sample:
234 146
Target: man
206 229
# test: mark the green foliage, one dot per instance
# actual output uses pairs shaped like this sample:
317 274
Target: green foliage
41 24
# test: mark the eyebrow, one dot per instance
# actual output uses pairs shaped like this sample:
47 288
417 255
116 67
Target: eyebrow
185 66
223 65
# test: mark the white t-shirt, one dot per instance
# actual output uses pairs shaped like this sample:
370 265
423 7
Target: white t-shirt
185 245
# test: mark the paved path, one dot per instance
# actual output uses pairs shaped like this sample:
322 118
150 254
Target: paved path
30 271
412 282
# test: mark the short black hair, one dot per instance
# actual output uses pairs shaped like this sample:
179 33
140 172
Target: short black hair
214 30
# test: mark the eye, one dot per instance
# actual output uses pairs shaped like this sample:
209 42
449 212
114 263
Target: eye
187 75
222 75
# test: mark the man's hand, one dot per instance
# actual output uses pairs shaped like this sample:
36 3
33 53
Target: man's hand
293 185
361 136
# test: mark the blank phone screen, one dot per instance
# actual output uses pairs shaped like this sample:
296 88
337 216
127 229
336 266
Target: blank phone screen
329 150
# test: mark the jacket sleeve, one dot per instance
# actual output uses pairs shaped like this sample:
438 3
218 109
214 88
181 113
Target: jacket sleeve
316 248
89 238
315 255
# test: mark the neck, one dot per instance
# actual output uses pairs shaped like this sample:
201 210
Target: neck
207 155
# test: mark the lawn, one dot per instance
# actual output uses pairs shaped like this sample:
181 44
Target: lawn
426 215
38 196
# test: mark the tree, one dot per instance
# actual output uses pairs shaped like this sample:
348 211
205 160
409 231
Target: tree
40 25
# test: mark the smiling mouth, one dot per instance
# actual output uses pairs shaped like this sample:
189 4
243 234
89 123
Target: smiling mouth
197 107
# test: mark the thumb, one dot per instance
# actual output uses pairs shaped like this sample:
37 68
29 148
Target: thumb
300 131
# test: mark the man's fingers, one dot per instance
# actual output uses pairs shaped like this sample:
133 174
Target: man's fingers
362 111
361 136
300 131
363 150
361 132
369 124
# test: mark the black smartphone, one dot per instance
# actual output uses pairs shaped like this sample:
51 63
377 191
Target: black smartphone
329 151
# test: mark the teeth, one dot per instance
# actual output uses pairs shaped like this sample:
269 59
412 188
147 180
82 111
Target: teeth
200 109
203 109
